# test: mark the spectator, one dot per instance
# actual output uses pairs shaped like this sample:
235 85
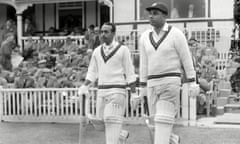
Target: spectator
96 38
42 46
9 28
51 31
89 36
61 58
191 13
6 52
58 44
69 46
29 49
174 13
16 57
25 81
3 75
41 79
29 28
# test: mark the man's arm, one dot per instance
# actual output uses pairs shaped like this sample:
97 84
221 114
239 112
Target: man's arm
92 73
143 69
184 53
129 70
91 76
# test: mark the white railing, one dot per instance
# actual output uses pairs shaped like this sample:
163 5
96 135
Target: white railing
222 64
39 105
79 40
56 105
51 105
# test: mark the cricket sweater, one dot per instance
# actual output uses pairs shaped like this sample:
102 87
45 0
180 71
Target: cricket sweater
114 70
163 56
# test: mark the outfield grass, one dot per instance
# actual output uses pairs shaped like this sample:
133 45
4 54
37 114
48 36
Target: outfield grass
37 133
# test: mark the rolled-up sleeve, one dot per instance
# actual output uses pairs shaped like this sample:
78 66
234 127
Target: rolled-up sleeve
92 73
143 61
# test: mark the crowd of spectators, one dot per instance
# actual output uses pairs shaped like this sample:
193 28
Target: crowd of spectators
43 65
205 63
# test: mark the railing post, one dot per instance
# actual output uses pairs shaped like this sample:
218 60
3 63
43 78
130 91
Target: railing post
1 104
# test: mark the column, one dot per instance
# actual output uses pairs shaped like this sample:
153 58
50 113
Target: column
1 104
20 30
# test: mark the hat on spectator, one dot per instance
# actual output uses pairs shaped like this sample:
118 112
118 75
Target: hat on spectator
41 37
46 70
24 71
89 51
61 51
158 6
43 61
69 39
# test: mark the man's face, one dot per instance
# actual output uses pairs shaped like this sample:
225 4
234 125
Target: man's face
156 18
193 43
8 24
107 34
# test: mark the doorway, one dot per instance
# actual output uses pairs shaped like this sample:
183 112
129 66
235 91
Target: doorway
104 14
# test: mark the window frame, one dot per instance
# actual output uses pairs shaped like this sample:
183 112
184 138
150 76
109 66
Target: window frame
58 8
206 12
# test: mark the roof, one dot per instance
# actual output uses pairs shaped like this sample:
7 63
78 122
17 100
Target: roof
47 1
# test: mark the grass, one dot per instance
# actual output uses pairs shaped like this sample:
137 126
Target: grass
39 133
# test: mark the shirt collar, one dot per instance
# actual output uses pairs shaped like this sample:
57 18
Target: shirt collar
111 45
164 28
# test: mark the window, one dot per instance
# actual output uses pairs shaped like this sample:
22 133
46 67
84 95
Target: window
177 8
70 15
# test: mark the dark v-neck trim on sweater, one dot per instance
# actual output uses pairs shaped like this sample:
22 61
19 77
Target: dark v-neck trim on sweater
157 44
107 57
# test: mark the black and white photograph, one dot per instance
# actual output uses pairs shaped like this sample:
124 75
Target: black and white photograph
119 71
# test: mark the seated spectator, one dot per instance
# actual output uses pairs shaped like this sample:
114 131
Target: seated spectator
64 32
3 83
58 44
3 73
31 68
16 57
29 49
42 46
75 60
24 81
51 32
41 67
62 59
86 59
69 46
50 61
76 31
51 80
40 79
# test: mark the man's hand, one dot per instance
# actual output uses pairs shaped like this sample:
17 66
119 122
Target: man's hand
83 90
193 89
